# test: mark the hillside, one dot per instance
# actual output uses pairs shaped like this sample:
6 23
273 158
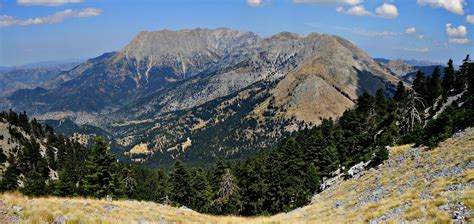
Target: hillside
414 184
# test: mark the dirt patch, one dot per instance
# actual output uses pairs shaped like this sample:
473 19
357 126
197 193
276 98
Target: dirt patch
5 216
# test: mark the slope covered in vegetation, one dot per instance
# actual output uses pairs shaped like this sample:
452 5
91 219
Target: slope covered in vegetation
37 162
414 184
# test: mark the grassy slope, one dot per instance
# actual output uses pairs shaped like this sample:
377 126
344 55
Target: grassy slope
411 186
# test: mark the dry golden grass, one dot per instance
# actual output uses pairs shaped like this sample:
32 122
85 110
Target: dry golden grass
403 179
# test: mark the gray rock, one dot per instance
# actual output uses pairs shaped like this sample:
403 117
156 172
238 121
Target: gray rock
460 212
108 198
184 208
60 219
109 208
17 208
357 169
444 207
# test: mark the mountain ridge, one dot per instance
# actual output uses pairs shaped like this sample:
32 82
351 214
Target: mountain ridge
282 82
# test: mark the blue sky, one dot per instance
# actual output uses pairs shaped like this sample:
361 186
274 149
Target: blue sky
45 30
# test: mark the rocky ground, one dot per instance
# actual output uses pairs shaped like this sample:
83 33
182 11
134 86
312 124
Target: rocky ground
416 185
6 216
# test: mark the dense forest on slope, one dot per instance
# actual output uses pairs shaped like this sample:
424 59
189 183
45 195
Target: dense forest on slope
39 162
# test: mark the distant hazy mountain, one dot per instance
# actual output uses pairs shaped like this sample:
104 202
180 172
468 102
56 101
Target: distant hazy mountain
412 62
202 94
30 76
406 69
415 62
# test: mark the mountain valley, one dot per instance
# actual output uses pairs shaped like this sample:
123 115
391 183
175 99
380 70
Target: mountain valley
173 92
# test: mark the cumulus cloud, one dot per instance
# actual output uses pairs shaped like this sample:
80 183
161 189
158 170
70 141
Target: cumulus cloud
58 17
454 6
387 11
460 31
255 3
47 2
410 30
413 32
417 50
470 19
460 41
457 34
358 10
345 2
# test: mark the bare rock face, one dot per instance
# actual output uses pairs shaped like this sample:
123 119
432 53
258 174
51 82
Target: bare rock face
400 68
186 52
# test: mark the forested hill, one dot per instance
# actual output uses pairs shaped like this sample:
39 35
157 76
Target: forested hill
36 161
415 184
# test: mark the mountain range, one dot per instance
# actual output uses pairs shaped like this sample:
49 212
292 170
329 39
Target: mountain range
202 94
406 69
31 75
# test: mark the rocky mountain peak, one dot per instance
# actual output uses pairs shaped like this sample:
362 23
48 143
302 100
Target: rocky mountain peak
187 43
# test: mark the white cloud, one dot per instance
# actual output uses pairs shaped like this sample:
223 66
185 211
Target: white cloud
470 19
47 2
368 33
417 50
358 10
460 31
410 30
454 6
58 17
461 41
345 2
413 32
255 3
387 11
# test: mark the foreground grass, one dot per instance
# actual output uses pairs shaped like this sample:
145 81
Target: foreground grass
411 186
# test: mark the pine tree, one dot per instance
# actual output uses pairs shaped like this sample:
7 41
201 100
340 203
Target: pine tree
202 193
228 200
470 78
462 75
389 136
3 157
381 154
65 185
312 179
449 78
10 177
411 115
102 177
181 185
218 171
400 93
434 88
253 184
381 102
419 86
34 184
